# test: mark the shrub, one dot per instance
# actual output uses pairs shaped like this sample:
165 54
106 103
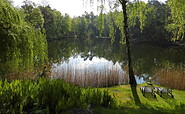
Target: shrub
46 95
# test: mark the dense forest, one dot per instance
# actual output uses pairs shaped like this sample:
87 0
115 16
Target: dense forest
153 22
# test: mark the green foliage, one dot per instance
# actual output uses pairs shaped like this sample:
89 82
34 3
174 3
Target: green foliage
26 96
110 23
66 24
118 18
21 46
37 18
56 25
81 26
154 30
101 20
142 14
48 20
86 25
135 10
33 15
177 19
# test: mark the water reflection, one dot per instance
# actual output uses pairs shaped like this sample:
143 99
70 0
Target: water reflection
100 56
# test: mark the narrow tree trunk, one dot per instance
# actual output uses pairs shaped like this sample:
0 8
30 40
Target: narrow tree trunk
132 79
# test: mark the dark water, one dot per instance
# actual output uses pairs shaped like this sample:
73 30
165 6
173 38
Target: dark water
95 60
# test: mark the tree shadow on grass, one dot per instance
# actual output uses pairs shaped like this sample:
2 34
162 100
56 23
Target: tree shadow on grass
167 97
150 97
135 94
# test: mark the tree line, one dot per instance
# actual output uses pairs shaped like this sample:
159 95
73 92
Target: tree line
152 22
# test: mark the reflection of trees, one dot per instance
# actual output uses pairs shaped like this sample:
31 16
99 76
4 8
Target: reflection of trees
145 58
61 50
101 48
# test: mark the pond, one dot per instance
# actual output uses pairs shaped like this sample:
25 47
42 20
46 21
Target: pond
98 62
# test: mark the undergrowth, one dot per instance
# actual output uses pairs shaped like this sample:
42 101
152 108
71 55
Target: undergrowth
48 96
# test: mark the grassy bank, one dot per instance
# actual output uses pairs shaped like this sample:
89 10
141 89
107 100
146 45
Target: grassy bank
56 96
125 102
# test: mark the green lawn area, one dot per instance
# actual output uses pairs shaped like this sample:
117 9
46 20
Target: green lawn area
125 102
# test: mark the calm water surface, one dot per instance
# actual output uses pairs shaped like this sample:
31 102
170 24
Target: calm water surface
92 61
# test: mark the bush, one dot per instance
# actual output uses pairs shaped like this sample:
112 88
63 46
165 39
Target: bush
46 95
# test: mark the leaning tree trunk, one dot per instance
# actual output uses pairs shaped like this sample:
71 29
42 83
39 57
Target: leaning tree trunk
132 79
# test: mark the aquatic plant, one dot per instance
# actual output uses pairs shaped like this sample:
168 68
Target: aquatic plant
93 77
172 77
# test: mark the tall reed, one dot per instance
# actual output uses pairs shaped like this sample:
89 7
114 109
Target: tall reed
170 77
92 77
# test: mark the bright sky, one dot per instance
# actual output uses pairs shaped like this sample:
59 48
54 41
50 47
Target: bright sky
71 7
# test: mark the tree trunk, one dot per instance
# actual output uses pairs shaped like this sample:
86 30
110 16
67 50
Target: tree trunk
132 79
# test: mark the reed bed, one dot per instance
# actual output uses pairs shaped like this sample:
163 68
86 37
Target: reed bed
92 77
170 77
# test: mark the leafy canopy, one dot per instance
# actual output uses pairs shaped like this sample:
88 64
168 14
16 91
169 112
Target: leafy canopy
177 25
21 45
135 10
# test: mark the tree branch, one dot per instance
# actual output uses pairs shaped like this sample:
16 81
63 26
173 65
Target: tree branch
121 1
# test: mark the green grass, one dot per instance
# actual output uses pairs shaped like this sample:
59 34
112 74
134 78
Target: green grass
101 110
125 102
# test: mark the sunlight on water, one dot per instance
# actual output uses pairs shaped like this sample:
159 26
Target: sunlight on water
97 63
90 71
